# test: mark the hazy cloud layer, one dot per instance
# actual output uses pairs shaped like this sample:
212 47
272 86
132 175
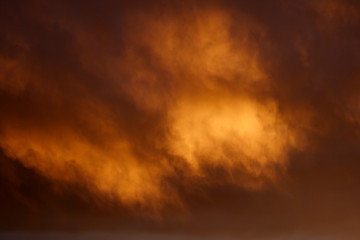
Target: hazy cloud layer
234 118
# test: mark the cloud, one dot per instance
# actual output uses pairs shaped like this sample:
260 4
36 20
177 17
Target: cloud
242 110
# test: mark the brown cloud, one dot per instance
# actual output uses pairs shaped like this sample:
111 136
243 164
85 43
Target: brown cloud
172 109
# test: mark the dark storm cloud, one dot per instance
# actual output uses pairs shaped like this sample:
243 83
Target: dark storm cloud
122 115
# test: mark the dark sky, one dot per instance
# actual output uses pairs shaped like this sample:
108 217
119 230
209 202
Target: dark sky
180 119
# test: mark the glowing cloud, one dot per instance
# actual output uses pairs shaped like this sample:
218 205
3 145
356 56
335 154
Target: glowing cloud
185 70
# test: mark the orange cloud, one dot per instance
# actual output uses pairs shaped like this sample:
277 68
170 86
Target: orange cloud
187 67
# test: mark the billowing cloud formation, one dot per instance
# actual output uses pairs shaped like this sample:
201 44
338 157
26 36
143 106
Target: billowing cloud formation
158 107
194 80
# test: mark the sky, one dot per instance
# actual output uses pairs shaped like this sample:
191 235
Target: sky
180 119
